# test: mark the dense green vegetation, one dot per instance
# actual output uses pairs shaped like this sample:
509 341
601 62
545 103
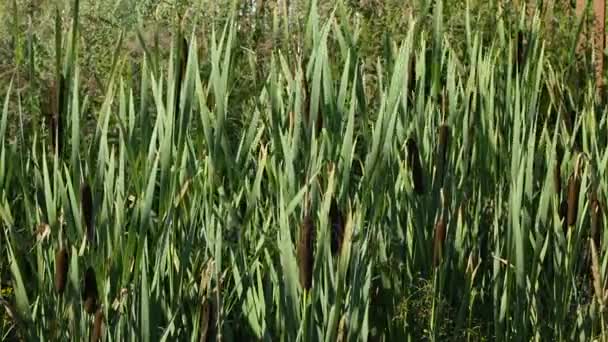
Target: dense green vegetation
353 173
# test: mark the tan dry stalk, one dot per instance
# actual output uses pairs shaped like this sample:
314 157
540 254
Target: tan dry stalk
595 272
599 41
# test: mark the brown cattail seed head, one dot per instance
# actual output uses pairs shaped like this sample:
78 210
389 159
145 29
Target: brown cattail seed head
61 269
557 178
413 161
305 253
574 185
90 294
337 227
439 239
596 221
86 204
97 326
444 136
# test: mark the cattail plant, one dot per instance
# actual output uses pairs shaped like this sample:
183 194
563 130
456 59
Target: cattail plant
444 136
307 103
574 185
596 212
61 269
305 252
96 333
413 161
86 206
180 70
557 177
89 294
337 227
520 51
207 320
52 111
411 85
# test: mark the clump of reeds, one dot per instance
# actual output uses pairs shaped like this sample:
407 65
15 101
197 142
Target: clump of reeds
61 269
337 227
305 252
413 161
97 326
444 140
89 293
86 206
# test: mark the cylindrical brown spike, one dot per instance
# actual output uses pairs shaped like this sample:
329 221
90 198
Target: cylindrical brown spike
439 239
414 163
61 269
596 221
305 252
337 225
97 327
89 294
411 85
557 177
444 140
574 185
520 50
86 205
